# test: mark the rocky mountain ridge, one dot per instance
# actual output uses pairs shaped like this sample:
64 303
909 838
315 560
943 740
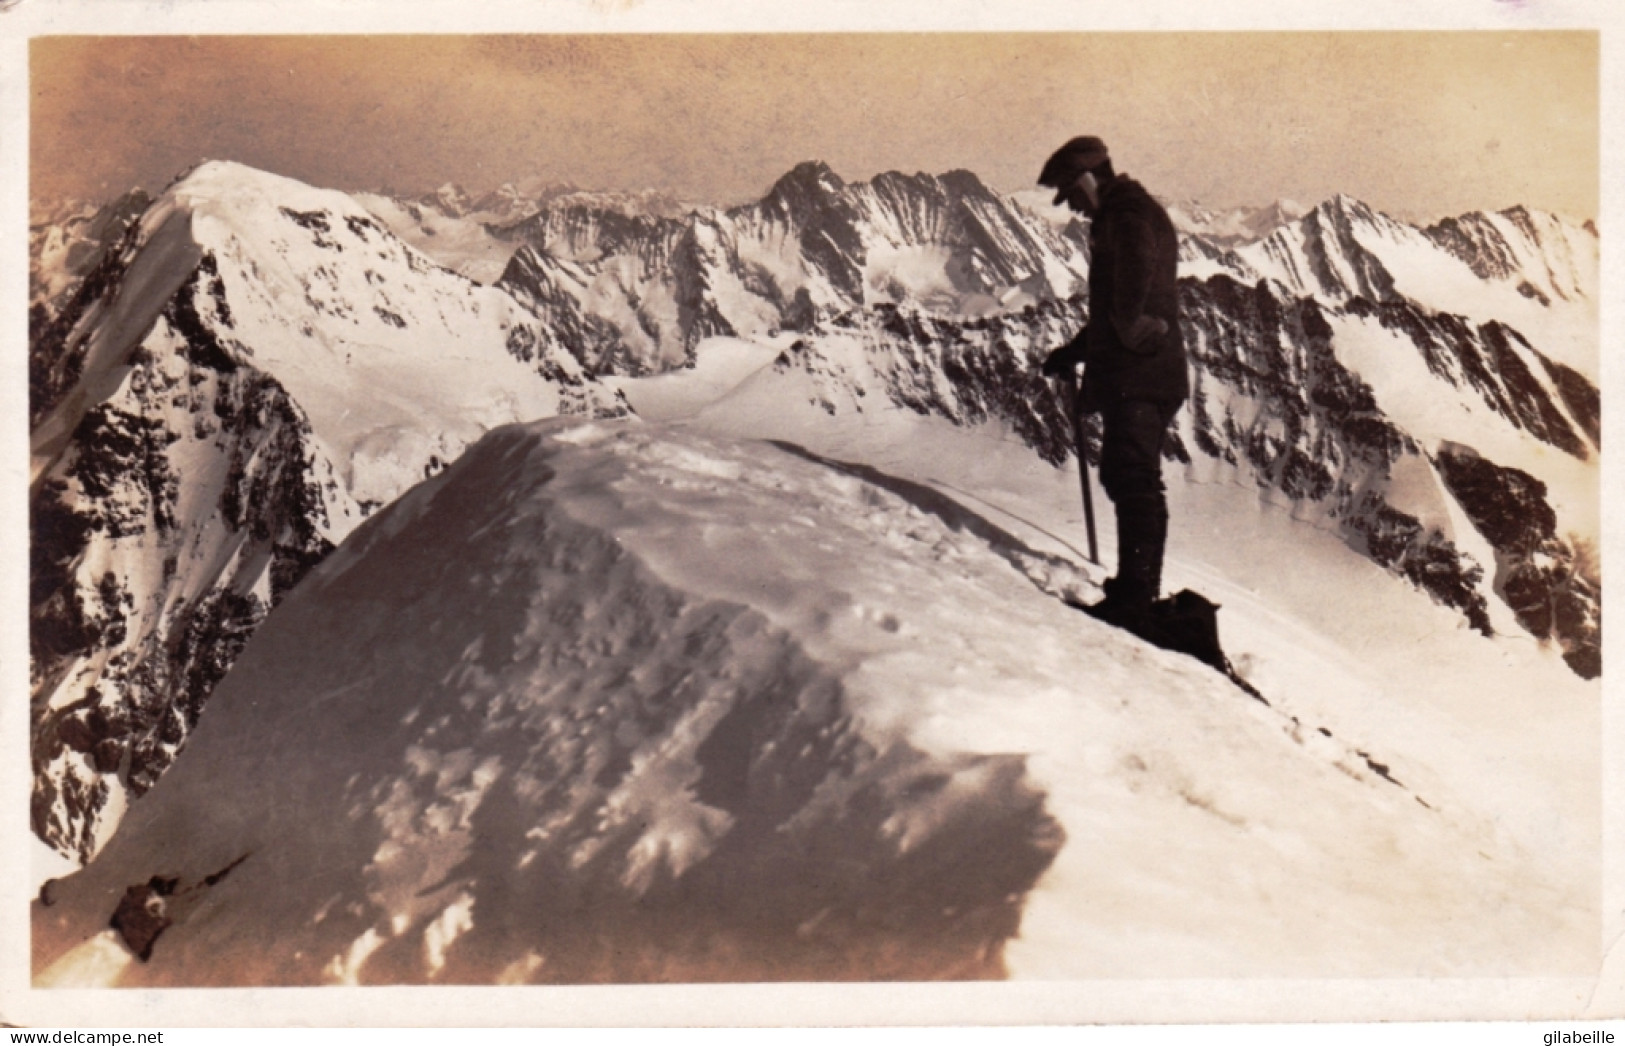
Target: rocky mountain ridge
1274 404
813 247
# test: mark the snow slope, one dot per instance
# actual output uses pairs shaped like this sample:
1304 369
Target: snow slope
260 363
711 707
1377 655
1468 722
461 243
1234 226
365 333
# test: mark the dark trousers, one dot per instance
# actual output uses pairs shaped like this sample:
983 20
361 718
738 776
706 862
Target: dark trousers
1131 473
1131 448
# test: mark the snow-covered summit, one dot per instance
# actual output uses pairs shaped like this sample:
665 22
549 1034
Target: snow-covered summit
365 332
810 178
815 246
252 368
705 708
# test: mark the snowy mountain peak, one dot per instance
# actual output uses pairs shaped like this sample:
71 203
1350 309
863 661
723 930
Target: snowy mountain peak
813 247
220 177
947 199
1518 266
451 199
1343 211
234 199
956 183
1282 210
255 367
1235 226
644 203
965 182
1547 258
509 203
804 185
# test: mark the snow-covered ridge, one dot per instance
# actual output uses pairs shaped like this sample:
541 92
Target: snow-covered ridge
622 667
682 755
1339 412
255 366
1549 258
1232 227
1534 272
475 235
64 242
717 709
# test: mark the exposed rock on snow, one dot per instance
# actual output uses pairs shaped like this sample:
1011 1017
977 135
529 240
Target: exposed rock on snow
814 247
67 240
914 266
1544 257
1552 586
1274 398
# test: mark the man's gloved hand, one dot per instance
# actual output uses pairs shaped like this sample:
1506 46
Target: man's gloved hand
1144 329
1062 361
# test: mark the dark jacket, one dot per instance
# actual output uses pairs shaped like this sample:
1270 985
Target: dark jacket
1133 282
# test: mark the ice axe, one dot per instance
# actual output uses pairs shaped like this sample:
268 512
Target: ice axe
1076 386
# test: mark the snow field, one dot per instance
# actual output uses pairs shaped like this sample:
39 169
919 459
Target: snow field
245 286
463 245
1494 732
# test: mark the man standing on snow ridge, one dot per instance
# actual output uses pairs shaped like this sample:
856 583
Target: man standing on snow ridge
1135 360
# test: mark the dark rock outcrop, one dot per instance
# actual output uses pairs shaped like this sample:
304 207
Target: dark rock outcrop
1550 584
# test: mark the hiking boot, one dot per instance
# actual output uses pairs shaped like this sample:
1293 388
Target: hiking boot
1142 533
1142 530
1127 604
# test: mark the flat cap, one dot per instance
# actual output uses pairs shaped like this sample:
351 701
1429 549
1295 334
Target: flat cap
1072 159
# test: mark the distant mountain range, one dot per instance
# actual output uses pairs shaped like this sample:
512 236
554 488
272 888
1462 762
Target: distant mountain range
228 378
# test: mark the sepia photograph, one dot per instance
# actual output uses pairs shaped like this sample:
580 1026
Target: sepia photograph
888 521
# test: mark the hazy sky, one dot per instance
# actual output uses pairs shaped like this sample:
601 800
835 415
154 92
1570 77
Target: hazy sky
1420 124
